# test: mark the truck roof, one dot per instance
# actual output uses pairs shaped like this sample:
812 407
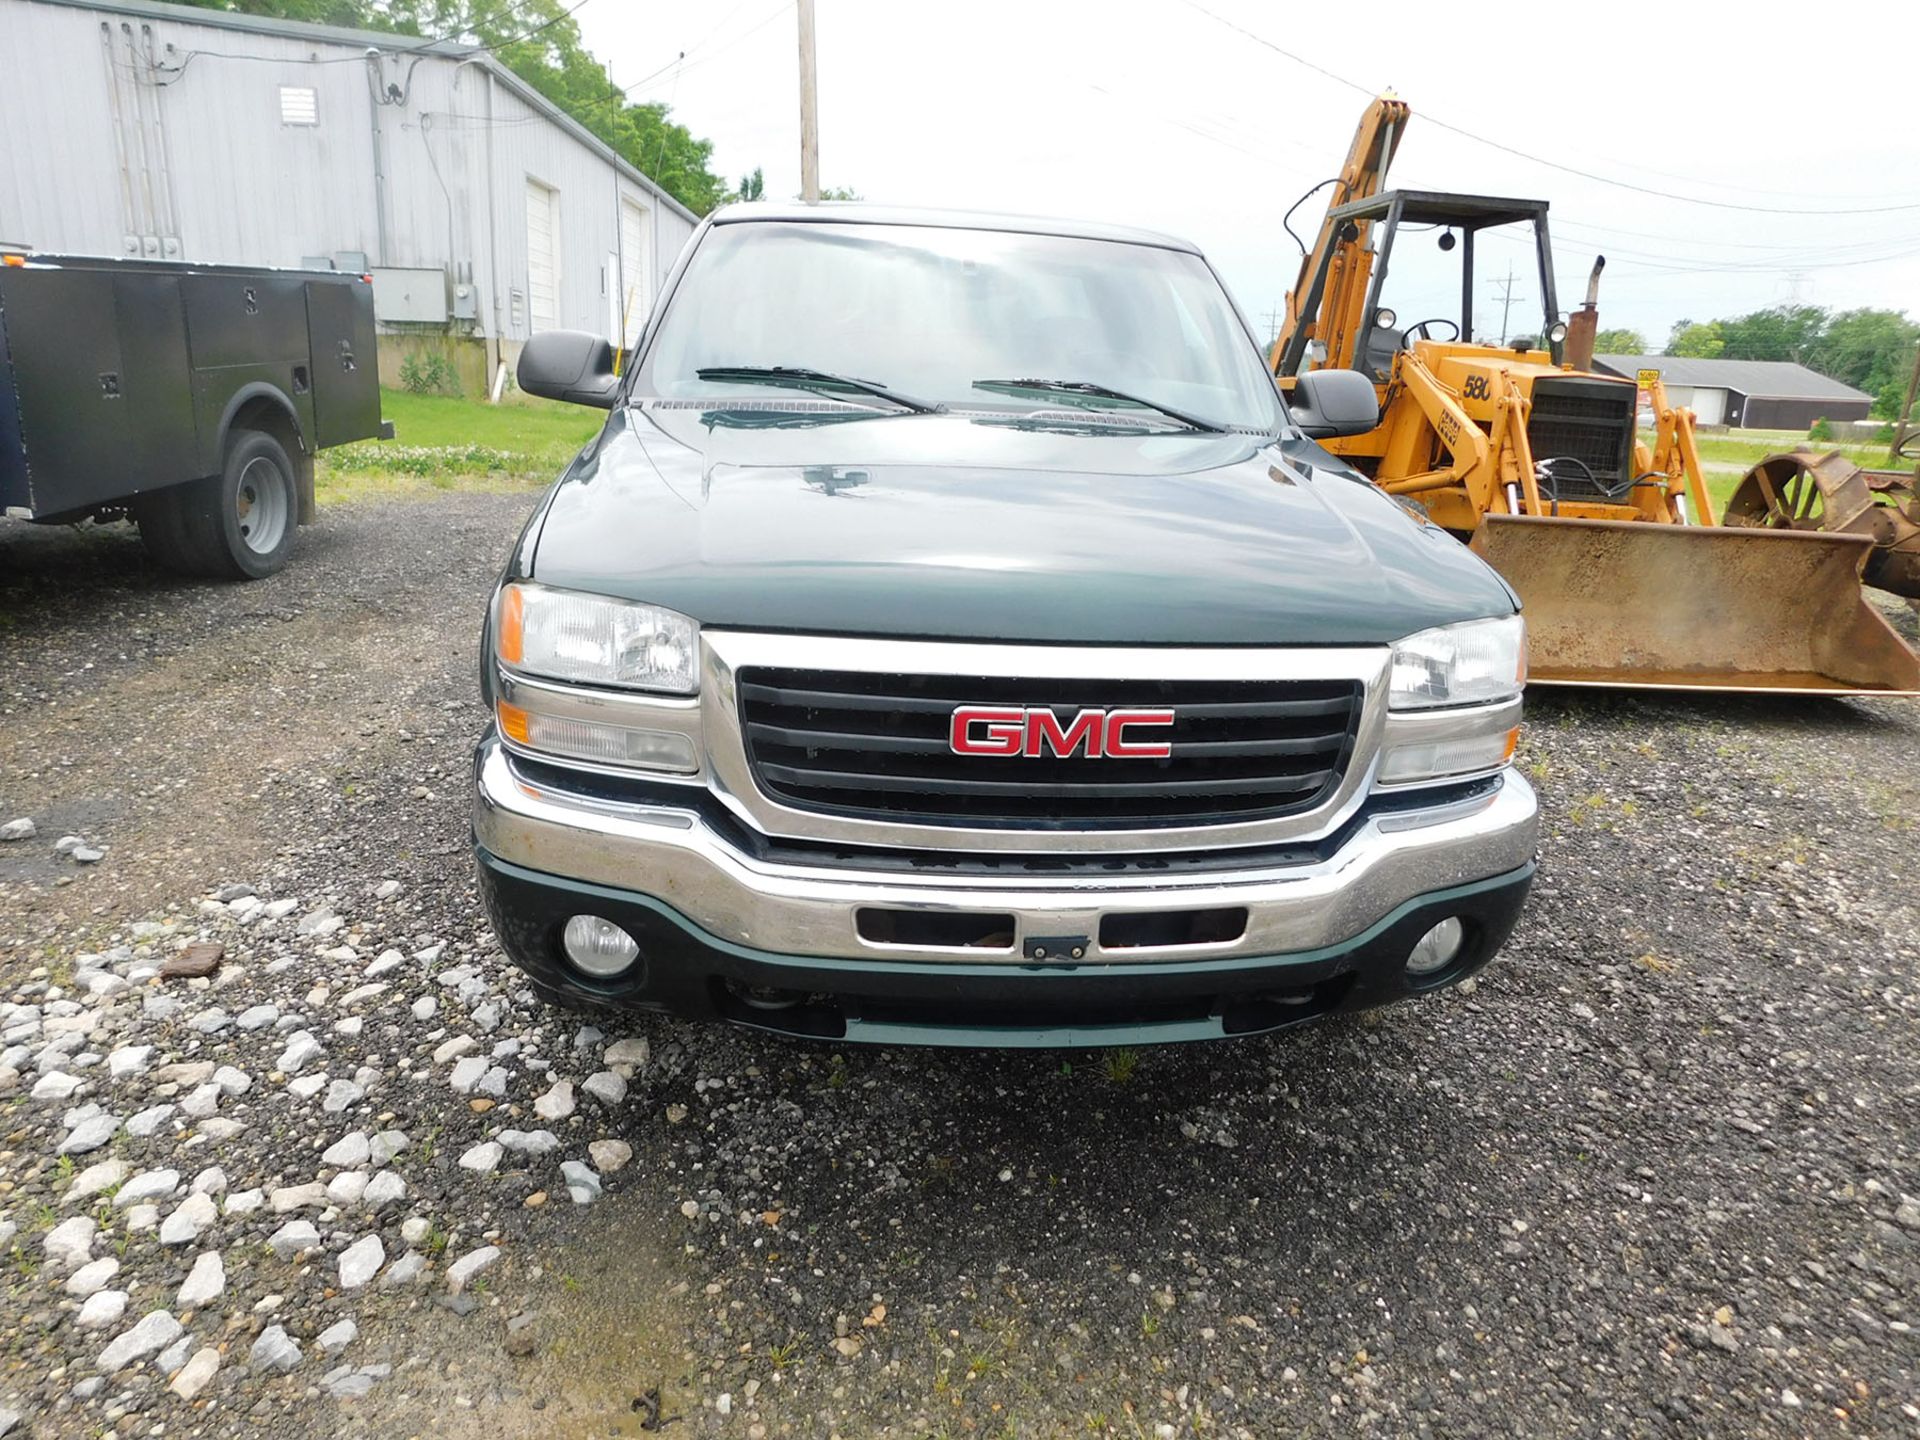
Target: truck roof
860 213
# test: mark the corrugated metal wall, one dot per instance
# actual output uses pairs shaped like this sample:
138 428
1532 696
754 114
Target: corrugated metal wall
148 133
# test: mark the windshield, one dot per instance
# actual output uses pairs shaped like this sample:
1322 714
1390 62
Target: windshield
931 312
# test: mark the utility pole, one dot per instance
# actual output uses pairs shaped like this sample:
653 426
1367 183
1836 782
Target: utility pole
1506 300
1906 411
809 110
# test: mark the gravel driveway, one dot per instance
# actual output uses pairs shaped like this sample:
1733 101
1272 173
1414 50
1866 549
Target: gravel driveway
1657 1173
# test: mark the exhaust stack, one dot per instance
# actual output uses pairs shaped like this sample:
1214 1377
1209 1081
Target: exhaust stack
1585 324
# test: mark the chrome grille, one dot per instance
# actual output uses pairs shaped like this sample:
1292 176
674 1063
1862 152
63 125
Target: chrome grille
876 745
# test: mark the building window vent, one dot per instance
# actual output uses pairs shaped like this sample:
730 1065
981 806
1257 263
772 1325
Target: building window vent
299 105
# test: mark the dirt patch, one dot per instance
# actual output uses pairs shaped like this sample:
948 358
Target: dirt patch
197 730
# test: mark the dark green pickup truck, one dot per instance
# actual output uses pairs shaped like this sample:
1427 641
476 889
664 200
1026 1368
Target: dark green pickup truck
953 638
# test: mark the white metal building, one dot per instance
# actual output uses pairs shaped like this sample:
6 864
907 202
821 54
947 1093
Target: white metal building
483 212
1745 394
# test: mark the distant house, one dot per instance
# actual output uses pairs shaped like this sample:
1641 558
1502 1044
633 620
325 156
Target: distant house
1746 394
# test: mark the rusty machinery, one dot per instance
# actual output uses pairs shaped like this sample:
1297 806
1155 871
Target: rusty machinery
1805 489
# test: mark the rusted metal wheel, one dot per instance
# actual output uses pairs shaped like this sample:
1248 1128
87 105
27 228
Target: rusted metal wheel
1782 492
1808 490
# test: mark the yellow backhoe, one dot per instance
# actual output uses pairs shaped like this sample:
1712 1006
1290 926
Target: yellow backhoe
1518 448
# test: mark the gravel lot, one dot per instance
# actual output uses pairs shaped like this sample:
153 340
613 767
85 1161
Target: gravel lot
1657 1173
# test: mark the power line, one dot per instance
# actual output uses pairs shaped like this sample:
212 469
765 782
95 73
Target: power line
1432 119
1808 258
619 96
713 55
539 29
1590 228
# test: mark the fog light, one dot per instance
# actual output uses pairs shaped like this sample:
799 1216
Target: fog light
1438 948
599 947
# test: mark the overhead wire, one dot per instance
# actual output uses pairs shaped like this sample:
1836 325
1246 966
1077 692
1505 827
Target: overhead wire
621 95
1464 133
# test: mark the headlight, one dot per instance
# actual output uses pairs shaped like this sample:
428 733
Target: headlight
1465 742
1466 664
593 640
599 741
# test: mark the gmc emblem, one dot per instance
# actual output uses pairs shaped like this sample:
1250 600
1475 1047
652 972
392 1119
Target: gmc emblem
1096 734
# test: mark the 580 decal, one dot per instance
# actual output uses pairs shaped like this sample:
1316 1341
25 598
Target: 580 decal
1477 387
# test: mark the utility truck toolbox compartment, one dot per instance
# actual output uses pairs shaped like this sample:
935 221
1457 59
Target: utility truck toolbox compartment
123 380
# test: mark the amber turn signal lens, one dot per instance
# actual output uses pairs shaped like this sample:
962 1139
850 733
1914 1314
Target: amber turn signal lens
510 625
513 723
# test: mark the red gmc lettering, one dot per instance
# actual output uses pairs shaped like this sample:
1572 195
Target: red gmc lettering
1044 733
999 733
1121 748
1096 734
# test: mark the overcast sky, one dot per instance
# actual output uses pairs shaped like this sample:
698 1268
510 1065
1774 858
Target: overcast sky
1155 113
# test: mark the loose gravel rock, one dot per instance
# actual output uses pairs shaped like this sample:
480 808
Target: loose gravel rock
1655 1172
196 1374
274 1351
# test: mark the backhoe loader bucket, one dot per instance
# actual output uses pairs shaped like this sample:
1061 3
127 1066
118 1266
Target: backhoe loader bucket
1640 605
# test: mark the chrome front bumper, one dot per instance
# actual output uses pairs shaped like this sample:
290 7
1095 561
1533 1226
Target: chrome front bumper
673 856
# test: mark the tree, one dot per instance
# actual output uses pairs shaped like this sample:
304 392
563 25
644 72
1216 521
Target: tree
1871 350
539 42
1888 399
1697 342
1784 332
1620 342
752 187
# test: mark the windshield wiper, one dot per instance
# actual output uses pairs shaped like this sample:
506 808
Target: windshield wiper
819 381
1100 392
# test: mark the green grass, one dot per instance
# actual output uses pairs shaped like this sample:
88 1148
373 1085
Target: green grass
522 423
447 444
1727 457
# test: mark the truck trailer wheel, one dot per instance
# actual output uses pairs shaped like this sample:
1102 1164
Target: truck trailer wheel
238 524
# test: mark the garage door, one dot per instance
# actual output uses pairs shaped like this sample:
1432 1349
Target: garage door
1709 406
543 249
636 267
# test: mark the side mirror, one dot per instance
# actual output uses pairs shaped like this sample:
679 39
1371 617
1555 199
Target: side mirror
1329 403
569 365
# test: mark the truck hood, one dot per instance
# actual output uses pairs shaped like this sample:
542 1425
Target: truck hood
946 526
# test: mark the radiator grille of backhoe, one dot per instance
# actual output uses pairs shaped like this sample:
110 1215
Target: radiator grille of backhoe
1589 422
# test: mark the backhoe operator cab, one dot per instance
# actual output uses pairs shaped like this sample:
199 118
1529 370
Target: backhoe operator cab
1421 254
1407 278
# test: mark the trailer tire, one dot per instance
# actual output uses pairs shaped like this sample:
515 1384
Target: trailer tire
236 525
